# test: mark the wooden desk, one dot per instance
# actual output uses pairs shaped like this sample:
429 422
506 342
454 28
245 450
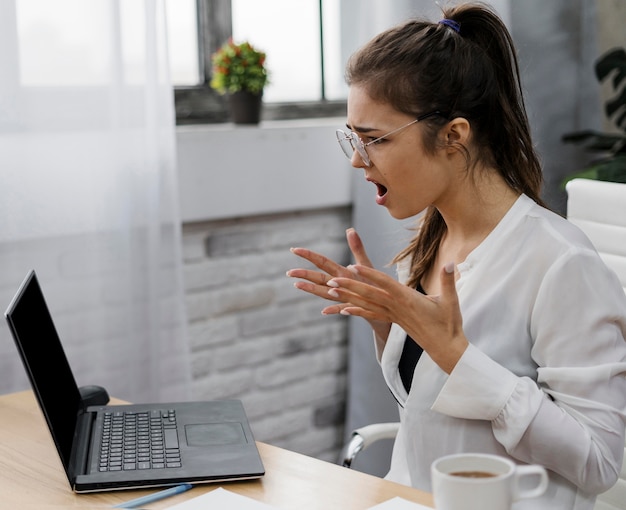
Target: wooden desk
32 477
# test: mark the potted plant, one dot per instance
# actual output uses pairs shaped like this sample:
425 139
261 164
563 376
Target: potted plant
611 165
239 71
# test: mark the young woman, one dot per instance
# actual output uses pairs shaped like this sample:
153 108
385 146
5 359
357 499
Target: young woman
505 333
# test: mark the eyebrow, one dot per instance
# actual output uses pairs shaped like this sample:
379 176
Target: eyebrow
361 129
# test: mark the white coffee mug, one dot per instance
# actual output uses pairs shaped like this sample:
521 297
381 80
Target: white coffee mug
475 481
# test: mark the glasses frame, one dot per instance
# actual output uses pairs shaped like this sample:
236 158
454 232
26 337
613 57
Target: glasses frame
360 146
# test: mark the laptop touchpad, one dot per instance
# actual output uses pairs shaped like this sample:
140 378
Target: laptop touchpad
214 434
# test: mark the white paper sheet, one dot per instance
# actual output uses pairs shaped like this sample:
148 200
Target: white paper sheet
221 499
398 503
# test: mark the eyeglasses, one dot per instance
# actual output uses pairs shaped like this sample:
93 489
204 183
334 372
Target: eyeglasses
350 142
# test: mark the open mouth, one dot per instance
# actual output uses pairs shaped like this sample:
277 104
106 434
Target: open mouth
382 191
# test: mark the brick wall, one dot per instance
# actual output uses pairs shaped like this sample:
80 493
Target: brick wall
256 338
252 335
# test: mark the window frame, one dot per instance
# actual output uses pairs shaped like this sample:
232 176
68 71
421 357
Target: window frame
200 104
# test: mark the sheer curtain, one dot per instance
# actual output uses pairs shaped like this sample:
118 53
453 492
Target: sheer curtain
88 193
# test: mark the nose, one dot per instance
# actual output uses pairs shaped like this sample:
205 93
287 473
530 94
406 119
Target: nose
357 160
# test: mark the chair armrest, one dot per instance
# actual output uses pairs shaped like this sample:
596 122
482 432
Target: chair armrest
363 437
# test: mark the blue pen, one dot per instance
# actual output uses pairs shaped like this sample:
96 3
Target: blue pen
151 498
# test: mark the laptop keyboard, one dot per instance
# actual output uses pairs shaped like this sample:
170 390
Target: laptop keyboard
139 440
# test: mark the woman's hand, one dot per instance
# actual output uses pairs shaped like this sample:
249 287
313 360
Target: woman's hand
316 282
434 322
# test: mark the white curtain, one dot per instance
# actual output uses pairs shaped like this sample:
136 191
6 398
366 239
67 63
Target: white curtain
88 191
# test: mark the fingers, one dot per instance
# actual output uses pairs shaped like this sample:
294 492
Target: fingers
313 281
307 274
318 260
371 276
379 296
372 300
357 248
448 284
334 309
330 266
322 292
316 282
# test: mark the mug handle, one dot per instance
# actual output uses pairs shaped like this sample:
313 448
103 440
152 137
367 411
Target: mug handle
530 470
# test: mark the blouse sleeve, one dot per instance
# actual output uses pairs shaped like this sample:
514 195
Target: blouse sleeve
570 419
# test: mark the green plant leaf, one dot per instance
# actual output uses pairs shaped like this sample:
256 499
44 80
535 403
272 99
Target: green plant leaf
613 166
613 63
594 141
613 60
616 105
608 169
589 173
613 170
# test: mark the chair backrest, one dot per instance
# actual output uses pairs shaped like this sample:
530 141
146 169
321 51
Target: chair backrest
599 209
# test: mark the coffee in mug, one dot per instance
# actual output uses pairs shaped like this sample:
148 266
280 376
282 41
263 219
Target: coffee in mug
473 474
475 481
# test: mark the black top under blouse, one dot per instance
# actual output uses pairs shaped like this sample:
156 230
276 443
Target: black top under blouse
410 355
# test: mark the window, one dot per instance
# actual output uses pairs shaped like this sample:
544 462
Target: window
300 38
182 27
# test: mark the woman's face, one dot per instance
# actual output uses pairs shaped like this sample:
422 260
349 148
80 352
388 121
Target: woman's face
407 179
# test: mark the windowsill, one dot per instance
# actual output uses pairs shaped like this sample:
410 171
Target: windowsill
228 171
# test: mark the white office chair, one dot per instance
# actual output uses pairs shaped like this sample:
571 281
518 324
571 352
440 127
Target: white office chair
599 209
363 437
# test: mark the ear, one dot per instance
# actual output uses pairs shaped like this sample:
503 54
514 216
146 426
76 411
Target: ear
456 132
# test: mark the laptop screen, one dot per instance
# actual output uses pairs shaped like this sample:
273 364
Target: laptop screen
45 362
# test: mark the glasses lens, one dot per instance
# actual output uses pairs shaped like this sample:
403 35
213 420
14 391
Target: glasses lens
349 142
345 142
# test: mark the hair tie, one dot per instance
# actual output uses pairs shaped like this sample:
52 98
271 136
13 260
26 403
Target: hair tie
452 24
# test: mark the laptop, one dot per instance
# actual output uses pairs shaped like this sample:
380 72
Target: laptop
165 444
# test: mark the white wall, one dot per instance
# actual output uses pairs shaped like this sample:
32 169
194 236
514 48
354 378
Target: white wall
229 171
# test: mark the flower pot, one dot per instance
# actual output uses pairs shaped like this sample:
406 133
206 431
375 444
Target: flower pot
245 107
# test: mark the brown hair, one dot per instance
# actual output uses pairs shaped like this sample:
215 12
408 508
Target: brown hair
420 66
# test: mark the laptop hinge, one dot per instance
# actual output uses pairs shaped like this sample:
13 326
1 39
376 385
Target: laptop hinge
79 462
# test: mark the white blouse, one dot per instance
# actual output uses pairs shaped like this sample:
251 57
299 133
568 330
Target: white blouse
544 378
